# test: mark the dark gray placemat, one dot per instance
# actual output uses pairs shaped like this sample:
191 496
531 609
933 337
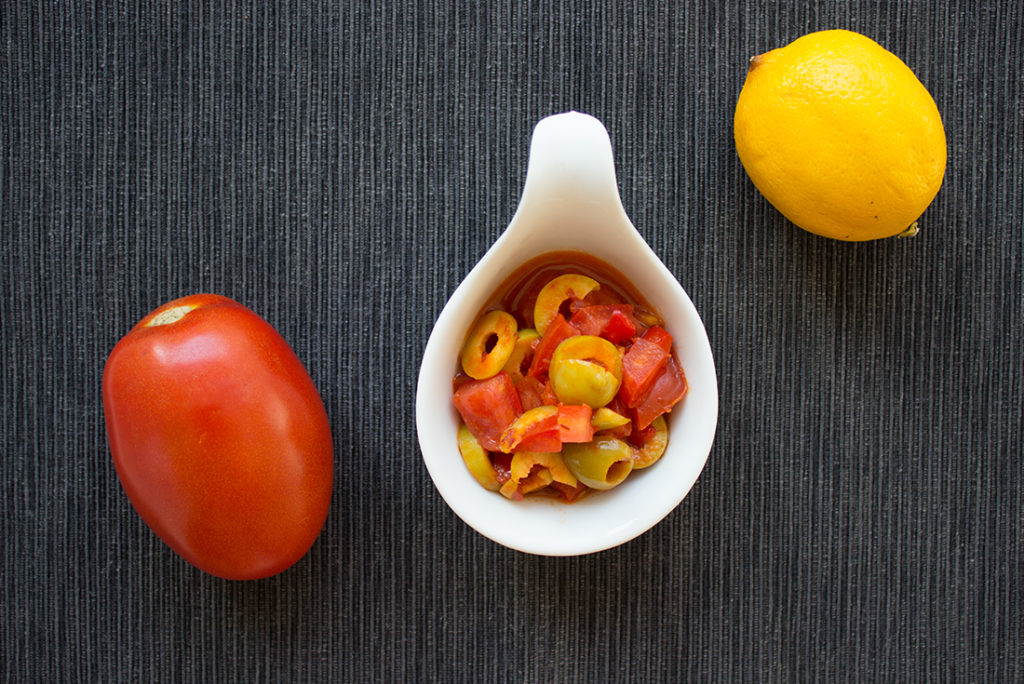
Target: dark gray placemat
338 168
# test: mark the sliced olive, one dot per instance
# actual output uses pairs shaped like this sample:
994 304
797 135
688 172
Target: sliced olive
606 419
600 464
555 293
489 345
538 479
522 352
524 462
477 459
653 447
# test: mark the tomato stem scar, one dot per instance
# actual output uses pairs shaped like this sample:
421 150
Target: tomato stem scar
172 315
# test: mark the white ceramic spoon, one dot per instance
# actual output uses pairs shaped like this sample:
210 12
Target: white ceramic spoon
570 201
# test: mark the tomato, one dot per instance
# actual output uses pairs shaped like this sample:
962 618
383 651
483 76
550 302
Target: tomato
614 322
665 393
641 365
534 393
660 337
574 424
219 437
488 407
558 331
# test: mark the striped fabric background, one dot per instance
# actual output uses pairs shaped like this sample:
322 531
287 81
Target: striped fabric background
338 167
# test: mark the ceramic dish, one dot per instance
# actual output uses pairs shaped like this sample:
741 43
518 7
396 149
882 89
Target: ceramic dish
570 201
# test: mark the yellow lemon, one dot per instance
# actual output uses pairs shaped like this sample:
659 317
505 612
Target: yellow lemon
840 136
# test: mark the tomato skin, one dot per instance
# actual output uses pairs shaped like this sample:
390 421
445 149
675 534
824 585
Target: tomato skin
487 407
668 389
558 331
219 437
641 365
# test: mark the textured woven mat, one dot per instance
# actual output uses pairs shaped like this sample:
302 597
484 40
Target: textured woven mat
338 168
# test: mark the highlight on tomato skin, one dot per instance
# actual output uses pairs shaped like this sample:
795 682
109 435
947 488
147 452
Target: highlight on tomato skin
580 400
219 437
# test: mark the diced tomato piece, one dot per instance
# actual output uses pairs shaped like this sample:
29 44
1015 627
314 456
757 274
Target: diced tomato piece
619 328
548 441
574 423
558 331
614 322
534 393
660 337
641 365
592 319
666 391
488 407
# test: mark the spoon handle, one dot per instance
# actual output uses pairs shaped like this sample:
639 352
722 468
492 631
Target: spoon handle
571 160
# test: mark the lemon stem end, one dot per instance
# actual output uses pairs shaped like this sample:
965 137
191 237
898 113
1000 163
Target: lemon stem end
909 232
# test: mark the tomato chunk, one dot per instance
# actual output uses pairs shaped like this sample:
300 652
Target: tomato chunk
558 330
574 423
488 407
614 322
547 442
641 365
534 393
660 337
619 328
666 392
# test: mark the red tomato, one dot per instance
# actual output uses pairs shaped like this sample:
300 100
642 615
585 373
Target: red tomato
614 322
534 393
666 391
660 337
558 331
488 407
641 365
219 437
574 424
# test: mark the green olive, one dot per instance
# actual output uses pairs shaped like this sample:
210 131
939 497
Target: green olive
586 370
521 353
654 447
489 345
600 464
606 419
555 293
477 460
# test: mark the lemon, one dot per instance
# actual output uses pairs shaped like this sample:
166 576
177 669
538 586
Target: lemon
840 136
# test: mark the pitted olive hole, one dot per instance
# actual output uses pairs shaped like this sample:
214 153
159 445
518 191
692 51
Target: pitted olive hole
618 471
490 343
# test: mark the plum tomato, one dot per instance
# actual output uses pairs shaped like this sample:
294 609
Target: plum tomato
219 437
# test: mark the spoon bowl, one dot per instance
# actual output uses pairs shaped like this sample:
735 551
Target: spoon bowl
570 201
